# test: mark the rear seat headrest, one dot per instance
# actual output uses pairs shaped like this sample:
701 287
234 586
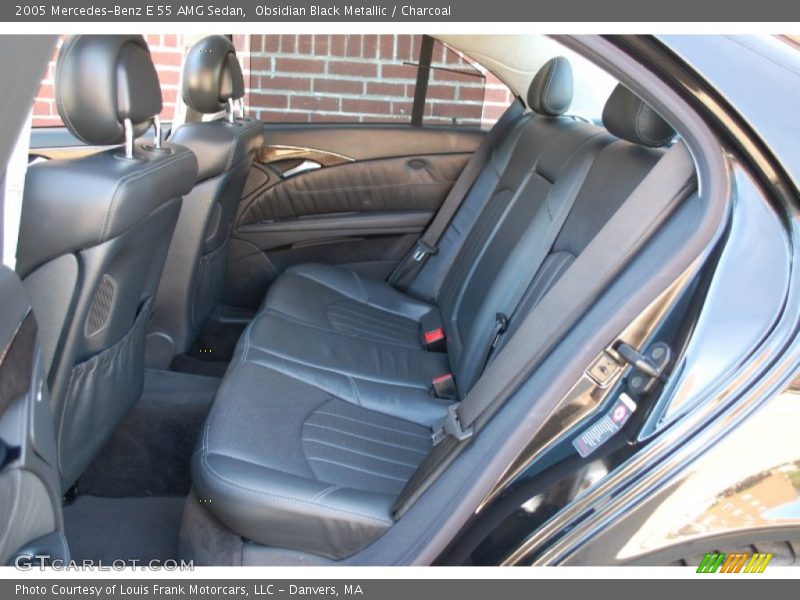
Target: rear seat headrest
100 81
212 75
550 92
628 117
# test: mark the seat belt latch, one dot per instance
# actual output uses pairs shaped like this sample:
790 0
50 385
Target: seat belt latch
444 386
452 426
434 340
422 251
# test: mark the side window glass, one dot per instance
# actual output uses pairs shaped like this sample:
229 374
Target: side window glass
364 79
330 78
461 93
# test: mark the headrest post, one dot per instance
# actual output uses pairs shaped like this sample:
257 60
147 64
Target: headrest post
231 110
128 138
157 127
241 108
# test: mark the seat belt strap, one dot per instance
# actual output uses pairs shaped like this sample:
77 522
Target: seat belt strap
668 184
408 268
14 188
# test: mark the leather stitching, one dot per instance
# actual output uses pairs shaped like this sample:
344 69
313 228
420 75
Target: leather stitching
324 493
355 390
286 498
59 102
361 377
331 461
374 425
364 299
312 325
279 497
546 91
360 285
377 457
639 124
360 437
123 183
235 146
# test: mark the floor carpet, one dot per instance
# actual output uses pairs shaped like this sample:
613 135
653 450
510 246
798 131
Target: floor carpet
150 453
109 529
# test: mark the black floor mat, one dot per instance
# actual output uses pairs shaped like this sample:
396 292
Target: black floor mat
150 453
183 363
211 352
217 342
109 529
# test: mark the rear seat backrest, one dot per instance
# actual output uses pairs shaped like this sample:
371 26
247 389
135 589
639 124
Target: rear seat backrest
533 171
499 269
506 163
572 162
616 171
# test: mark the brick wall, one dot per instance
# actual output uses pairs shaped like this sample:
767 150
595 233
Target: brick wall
333 78
363 78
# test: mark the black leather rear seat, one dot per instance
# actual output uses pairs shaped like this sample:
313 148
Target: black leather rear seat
327 407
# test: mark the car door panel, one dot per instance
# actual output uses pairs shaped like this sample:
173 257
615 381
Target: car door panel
365 142
346 195
417 183
30 500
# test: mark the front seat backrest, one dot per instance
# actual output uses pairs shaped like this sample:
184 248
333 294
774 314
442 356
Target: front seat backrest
94 235
195 271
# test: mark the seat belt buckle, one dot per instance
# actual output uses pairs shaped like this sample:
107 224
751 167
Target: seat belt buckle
422 251
434 340
444 386
452 427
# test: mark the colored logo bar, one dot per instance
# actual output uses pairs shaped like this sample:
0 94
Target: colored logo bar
737 562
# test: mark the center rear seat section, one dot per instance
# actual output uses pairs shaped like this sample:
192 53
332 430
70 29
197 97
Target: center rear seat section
327 409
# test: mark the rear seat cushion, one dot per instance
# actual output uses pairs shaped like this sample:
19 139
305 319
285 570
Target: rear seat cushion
393 379
338 299
290 465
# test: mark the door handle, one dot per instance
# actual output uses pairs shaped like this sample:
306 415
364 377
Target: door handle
303 167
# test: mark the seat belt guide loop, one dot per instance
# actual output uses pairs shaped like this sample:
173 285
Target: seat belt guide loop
422 251
452 427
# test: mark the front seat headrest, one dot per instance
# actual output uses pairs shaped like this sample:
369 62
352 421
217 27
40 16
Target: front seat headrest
100 81
212 75
628 117
550 92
